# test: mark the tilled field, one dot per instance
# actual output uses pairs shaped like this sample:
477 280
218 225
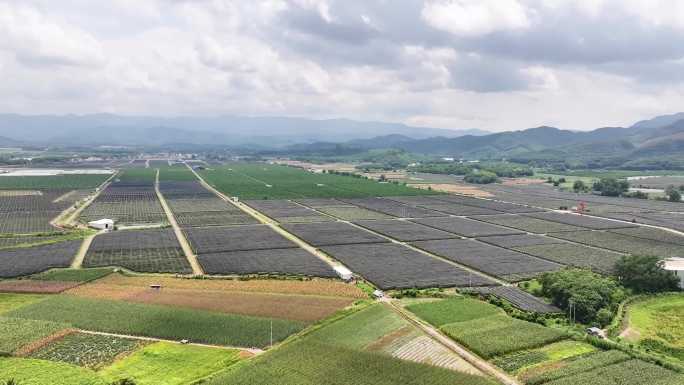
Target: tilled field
392 266
503 263
466 227
273 261
35 286
404 230
25 261
332 233
235 238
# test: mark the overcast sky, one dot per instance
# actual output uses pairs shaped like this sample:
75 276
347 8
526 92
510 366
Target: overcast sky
491 64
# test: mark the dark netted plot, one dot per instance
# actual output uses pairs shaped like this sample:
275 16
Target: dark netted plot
276 261
235 238
525 223
317 203
581 220
31 260
404 230
214 218
466 227
519 240
503 263
393 266
179 206
332 233
488 204
393 208
135 240
288 212
520 299
571 254
461 210
184 190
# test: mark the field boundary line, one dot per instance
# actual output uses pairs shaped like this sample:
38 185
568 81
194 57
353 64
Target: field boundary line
82 251
180 237
271 223
254 351
452 345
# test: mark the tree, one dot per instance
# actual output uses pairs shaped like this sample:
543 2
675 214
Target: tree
611 187
579 186
481 177
673 194
645 274
587 292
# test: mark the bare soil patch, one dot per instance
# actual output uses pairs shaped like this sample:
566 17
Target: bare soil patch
35 287
454 188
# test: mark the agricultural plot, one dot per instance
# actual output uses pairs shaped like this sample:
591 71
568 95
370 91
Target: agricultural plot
353 213
87 350
392 266
602 261
624 243
503 263
332 233
26 223
319 203
53 182
486 329
653 234
460 210
670 220
404 230
152 250
236 238
31 260
158 321
187 189
658 182
267 181
524 223
213 218
18 334
580 221
273 261
11 301
288 212
520 240
553 354
22 241
488 204
128 203
520 299
304 301
393 208
466 227
29 286
25 214
40 372
632 372
573 366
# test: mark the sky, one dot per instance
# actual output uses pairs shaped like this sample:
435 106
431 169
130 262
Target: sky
489 64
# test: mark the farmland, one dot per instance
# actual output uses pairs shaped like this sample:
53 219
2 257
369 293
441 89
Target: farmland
18 333
266 181
25 261
624 243
53 182
656 323
86 350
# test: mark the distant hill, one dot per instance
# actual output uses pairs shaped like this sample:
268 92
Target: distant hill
7 142
108 129
659 121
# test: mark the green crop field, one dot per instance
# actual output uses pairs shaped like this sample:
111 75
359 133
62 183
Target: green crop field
632 372
56 182
656 323
16 333
484 328
165 363
73 275
266 181
549 354
159 321
40 372
11 301
138 174
87 350
572 366
176 173
336 354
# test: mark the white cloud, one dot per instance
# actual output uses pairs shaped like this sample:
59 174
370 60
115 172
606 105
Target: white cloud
476 17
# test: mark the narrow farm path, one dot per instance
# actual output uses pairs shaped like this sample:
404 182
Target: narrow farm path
268 221
68 216
185 245
462 352
82 251
254 351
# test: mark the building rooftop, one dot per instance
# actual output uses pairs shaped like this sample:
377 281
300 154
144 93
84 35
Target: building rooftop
674 264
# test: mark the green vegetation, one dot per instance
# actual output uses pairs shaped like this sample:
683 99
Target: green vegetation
593 297
611 187
159 321
137 174
645 274
53 182
558 351
451 310
573 366
632 372
87 350
500 169
165 363
176 173
16 333
73 275
39 372
484 328
673 194
481 177
11 301
267 181
656 324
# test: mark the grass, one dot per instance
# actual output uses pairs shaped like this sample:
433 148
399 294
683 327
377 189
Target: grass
16 333
546 355
87 350
10 301
39 372
73 275
656 323
159 321
452 310
165 363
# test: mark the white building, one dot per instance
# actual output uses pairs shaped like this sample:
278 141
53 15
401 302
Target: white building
675 265
102 224
344 273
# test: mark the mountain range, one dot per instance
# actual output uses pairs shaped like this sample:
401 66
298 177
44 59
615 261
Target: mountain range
233 131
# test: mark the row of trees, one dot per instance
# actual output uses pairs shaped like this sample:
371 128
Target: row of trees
615 187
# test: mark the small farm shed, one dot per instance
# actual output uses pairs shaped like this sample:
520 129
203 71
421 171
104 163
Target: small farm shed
344 273
675 265
102 224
